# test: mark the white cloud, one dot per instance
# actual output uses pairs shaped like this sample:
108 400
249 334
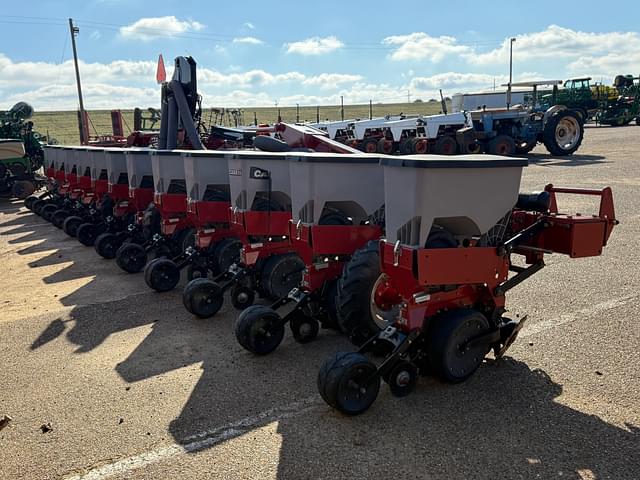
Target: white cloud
95 35
314 46
330 80
420 46
453 80
249 25
147 29
248 40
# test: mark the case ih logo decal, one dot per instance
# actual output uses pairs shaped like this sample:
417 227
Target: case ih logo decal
258 173
236 172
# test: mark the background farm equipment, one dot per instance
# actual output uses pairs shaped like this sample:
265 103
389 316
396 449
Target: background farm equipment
625 108
447 258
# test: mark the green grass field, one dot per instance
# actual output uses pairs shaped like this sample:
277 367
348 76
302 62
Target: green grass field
63 126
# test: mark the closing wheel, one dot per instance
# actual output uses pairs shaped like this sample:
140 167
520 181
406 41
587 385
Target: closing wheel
46 211
304 329
162 275
106 245
502 145
58 217
402 378
203 297
131 257
366 300
446 145
385 146
455 347
281 274
259 329
563 133
225 254
86 234
242 297
348 382
71 224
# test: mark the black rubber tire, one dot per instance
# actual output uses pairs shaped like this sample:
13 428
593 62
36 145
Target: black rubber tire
522 148
162 275
241 297
250 329
131 257
22 189
334 218
370 145
446 145
335 380
502 145
29 201
549 133
420 146
305 329
46 211
196 271
280 274
385 146
203 298
86 234
225 253
473 148
404 146
59 216
638 121
37 206
71 224
353 298
107 244
446 333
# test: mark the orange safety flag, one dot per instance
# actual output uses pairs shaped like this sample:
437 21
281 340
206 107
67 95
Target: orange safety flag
161 73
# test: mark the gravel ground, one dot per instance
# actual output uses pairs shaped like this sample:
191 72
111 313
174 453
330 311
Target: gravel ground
103 378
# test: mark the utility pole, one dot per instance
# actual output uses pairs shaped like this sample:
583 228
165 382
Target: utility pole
83 127
408 96
370 109
342 107
510 72
297 113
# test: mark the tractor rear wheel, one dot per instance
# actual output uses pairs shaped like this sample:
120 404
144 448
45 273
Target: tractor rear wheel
385 146
259 329
502 145
348 382
563 133
21 189
71 224
366 301
454 353
281 274
446 146
370 145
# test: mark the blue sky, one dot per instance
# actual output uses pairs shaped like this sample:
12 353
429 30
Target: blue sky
257 53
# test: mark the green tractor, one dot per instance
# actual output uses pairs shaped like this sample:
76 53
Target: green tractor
578 95
20 153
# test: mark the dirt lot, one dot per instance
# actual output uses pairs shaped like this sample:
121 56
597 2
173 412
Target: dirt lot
131 386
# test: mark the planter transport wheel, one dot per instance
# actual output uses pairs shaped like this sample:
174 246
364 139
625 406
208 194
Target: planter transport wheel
348 382
259 329
131 257
59 216
46 211
454 352
305 329
162 275
106 245
402 378
86 234
71 224
242 297
203 297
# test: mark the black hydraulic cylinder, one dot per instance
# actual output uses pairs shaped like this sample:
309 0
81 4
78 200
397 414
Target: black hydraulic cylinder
172 123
